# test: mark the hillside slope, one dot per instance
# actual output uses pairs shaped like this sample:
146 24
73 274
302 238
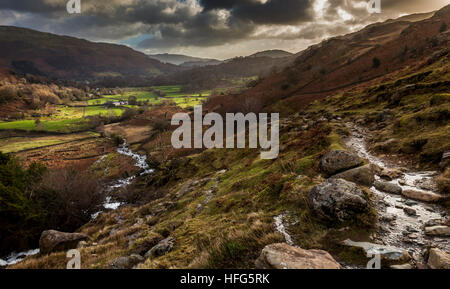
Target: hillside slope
30 51
352 60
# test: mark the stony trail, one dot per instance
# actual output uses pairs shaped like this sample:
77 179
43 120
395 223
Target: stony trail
403 220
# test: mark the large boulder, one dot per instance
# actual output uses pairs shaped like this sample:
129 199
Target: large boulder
364 175
54 241
339 160
284 256
424 196
337 200
388 187
438 259
126 262
162 248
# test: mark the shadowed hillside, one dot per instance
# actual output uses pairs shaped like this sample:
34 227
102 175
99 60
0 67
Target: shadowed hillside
34 52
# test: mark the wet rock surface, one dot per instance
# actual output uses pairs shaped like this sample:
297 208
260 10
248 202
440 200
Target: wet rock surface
403 218
386 252
388 187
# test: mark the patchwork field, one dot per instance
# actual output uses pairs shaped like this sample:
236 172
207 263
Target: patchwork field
156 95
73 117
23 143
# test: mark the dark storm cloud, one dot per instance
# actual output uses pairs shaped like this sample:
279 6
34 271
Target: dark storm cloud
260 12
225 4
38 6
202 23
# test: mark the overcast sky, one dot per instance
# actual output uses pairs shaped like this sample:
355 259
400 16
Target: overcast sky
206 28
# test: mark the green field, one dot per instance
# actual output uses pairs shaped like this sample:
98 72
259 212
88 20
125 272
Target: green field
66 119
173 92
64 125
73 118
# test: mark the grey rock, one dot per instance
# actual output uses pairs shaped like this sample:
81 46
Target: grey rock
364 175
410 211
162 248
388 187
390 174
337 200
339 160
126 262
410 203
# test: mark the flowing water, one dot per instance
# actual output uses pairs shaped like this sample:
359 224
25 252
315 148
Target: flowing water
280 227
397 228
140 162
14 258
110 203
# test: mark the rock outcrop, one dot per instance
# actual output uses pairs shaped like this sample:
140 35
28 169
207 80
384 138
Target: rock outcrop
337 200
162 248
54 241
126 262
339 160
284 256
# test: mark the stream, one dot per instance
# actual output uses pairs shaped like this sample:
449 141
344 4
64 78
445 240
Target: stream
140 162
109 204
397 228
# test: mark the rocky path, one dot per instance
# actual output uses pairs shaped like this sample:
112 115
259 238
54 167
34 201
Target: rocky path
406 221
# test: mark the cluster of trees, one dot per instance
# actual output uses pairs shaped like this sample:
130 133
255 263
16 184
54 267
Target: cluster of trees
35 199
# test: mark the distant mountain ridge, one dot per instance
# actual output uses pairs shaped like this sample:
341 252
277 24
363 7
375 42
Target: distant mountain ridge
191 62
272 54
179 59
64 57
